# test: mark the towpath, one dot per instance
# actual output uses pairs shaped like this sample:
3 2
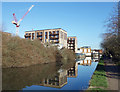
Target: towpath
113 75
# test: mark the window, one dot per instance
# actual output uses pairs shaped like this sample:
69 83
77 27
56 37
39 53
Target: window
40 33
73 38
46 35
26 33
85 50
50 33
88 50
57 32
37 33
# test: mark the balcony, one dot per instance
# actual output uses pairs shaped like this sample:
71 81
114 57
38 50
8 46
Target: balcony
39 38
27 35
54 38
38 35
53 34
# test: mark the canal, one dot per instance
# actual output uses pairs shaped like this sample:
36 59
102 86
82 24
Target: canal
50 76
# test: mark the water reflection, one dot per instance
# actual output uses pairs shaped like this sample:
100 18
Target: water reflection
49 76
73 71
57 81
86 61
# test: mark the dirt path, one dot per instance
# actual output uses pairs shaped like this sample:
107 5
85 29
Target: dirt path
112 75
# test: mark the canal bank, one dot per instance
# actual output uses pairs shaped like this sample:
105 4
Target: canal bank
19 52
106 77
99 79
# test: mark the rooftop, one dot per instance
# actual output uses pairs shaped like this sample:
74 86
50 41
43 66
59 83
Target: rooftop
86 47
45 29
71 36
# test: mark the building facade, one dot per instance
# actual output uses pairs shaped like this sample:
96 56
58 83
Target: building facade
97 53
57 36
72 43
86 50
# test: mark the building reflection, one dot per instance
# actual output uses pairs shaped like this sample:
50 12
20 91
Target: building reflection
57 81
73 71
86 61
60 79
49 75
95 59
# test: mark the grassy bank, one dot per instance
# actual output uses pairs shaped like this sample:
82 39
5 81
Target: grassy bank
99 80
18 52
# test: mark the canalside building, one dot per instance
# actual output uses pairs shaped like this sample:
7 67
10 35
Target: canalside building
72 43
97 53
57 36
86 50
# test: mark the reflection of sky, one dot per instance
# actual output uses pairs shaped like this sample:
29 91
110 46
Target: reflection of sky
81 82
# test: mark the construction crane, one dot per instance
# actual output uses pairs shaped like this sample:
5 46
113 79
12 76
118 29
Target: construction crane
17 23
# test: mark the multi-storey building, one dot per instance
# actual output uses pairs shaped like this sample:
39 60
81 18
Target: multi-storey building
72 43
57 36
86 50
96 53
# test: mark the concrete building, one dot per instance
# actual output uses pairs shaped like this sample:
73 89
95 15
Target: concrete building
72 43
57 36
86 50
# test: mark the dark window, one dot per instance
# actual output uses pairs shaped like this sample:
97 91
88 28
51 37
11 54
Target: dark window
57 32
46 35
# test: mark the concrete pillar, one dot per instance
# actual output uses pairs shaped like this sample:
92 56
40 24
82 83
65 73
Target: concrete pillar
31 36
35 35
43 36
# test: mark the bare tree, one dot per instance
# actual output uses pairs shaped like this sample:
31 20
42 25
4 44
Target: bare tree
111 42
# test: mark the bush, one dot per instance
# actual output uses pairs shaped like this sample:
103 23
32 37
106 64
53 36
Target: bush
18 52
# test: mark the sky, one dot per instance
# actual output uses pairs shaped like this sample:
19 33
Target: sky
85 20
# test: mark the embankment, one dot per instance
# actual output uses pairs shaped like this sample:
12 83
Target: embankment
99 78
18 52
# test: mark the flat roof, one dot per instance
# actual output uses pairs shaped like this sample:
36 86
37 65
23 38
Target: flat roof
71 36
86 47
45 29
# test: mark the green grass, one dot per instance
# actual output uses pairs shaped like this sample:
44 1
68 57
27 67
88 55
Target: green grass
98 90
99 77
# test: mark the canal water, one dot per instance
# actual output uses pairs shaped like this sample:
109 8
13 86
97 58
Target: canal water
49 77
